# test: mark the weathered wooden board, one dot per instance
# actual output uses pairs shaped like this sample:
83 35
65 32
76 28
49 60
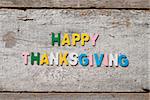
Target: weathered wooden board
76 96
124 31
77 3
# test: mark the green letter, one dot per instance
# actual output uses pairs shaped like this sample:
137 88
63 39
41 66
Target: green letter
35 58
55 39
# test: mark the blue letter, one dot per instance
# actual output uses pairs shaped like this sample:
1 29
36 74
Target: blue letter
98 61
83 61
123 61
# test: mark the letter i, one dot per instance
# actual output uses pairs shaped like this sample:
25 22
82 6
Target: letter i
106 59
91 60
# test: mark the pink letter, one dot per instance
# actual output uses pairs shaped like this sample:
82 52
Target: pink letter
106 60
25 55
94 38
90 60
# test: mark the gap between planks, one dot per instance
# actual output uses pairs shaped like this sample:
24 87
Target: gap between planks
25 8
146 91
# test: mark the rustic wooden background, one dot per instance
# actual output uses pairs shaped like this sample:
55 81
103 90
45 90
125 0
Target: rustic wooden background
123 26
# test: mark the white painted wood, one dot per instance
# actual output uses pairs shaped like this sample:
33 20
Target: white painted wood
77 3
121 31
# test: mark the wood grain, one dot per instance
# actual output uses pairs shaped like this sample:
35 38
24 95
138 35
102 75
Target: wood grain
121 31
75 96
76 3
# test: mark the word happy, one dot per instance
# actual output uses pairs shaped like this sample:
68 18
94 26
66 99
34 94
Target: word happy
84 37
73 59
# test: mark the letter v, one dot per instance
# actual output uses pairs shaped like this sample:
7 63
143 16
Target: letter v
98 61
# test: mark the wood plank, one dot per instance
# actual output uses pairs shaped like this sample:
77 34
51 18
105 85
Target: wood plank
121 31
77 3
74 96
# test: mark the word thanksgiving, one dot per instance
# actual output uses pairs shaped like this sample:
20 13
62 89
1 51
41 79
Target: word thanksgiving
73 59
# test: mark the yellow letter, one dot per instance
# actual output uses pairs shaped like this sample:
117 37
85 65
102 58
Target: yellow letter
84 38
65 40
75 38
63 58
44 59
